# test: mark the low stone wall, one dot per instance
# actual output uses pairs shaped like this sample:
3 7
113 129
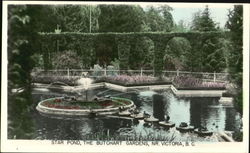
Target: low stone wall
115 87
125 89
197 93
178 93
80 112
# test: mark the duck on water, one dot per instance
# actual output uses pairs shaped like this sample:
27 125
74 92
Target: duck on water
184 127
167 123
203 131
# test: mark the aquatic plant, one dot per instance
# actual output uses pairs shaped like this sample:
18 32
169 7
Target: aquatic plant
129 136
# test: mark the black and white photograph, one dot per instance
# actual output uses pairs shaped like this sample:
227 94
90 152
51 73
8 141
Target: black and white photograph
124 77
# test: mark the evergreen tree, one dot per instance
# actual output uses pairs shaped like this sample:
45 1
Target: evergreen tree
159 18
116 18
202 21
209 55
120 18
180 27
234 24
235 58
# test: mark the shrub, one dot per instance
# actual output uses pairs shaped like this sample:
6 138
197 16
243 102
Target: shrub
111 71
97 70
238 136
67 59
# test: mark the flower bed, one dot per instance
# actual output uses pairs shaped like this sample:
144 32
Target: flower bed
135 80
191 83
60 103
51 79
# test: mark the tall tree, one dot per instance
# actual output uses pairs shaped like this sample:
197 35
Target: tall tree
68 18
47 21
21 46
210 57
235 58
180 27
120 18
159 18
116 18
202 21
76 18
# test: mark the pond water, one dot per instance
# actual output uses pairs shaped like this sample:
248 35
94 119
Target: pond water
206 112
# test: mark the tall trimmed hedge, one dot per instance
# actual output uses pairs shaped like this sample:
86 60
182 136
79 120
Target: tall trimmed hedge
83 43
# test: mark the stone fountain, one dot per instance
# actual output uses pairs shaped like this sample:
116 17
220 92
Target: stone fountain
79 105
84 82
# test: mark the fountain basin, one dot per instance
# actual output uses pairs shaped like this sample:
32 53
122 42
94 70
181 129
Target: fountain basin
58 106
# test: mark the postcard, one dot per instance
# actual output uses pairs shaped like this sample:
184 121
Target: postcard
124 77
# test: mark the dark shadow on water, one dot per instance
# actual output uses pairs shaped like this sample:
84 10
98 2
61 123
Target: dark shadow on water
158 106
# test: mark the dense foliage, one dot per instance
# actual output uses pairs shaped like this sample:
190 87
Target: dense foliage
208 51
104 18
235 58
176 52
142 50
67 59
76 18
21 46
183 53
159 18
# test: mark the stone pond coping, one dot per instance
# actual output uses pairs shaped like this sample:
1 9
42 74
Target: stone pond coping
73 112
177 92
197 93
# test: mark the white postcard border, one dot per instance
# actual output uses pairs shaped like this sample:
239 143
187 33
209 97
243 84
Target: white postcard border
46 146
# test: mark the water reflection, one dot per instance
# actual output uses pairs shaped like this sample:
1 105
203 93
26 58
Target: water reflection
233 120
205 112
158 106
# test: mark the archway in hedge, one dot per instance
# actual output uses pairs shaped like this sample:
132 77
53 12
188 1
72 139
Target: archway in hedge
178 53
124 41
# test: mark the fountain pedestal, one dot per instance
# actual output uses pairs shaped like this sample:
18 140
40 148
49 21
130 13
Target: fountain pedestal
85 83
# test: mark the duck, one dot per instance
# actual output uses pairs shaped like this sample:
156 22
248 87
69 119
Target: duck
146 115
